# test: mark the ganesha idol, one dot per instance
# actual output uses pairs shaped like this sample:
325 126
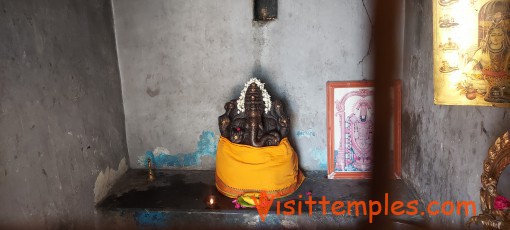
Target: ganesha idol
254 154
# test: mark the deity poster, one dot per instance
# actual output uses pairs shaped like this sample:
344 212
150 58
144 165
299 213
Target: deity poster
354 116
472 52
350 116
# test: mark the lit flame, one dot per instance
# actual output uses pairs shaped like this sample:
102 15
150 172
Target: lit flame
211 200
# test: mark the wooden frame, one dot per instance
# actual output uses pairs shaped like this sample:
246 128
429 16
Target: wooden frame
351 97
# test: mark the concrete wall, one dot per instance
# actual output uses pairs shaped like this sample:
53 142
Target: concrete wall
61 114
443 146
62 139
180 61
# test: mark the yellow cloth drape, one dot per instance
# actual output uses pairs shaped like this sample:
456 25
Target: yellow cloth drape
244 168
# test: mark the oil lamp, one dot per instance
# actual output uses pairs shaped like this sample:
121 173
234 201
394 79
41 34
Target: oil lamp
211 202
151 176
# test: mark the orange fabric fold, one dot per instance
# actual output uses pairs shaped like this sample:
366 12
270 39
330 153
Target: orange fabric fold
244 168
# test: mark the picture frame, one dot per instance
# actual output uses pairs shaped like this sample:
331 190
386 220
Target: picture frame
349 107
471 52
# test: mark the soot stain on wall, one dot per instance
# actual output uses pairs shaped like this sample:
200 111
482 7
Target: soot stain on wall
152 85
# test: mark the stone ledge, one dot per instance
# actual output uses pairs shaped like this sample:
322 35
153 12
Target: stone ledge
177 199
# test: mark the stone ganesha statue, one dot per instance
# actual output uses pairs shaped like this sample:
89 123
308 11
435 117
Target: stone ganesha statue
253 119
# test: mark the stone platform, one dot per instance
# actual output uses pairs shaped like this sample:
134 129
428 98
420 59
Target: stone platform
177 200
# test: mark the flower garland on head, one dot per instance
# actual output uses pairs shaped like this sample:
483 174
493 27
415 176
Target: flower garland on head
265 96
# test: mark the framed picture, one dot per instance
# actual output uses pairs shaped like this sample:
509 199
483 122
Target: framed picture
471 52
350 122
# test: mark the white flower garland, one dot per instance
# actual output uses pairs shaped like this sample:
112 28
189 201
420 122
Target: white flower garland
265 96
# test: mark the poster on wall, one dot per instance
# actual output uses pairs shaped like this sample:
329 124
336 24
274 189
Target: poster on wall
471 52
350 118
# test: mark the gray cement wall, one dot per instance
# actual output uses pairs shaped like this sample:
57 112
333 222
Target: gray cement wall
443 146
180 61
62 139
61 114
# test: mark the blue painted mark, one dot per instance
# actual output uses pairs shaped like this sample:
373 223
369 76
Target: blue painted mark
206 146
306 133
320 156
151 218
270 221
